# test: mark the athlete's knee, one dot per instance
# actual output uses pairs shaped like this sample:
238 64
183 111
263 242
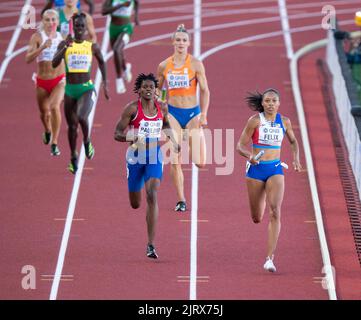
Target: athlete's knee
151 196
135 204
73 127
175 166
200 165
275 211
54 107
118 49
83 120
256 219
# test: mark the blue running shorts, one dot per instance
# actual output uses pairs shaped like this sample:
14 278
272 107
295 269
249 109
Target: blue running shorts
264 169
184 115
141 166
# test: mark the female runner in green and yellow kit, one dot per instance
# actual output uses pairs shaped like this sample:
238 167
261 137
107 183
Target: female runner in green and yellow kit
79 88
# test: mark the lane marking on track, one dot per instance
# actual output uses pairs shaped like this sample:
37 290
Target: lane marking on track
74 219
286 28
184 220
14 39
197 25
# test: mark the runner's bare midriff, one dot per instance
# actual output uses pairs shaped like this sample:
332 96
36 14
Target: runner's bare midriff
183 101
46 71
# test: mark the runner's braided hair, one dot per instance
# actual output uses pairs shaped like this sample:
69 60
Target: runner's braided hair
254 99
142 77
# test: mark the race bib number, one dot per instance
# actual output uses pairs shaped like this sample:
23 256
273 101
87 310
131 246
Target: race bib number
78 62
176 81
150 129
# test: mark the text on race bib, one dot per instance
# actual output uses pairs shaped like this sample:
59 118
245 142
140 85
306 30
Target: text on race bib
78 62
150 129
176 81
270 135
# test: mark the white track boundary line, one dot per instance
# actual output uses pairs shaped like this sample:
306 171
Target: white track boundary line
286 28
18 29
329 279
14 40
197 25
77 180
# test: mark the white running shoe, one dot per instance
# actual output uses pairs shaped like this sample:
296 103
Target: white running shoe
269 266
128 73
120 86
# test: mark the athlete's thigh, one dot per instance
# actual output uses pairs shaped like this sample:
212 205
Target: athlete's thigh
275 186
152 185
176 127
57 95
70 110
135 177
42 97
177 133
197 141
85 104
119 42
256 196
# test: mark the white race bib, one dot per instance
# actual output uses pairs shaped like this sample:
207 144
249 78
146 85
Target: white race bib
270 135
176 81
150 129
78 62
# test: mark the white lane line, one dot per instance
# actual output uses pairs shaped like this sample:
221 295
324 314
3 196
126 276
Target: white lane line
77 180
18 29
197 25
286 28
6 61
9 52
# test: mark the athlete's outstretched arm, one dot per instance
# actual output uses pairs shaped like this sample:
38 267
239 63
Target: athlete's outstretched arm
128 114
294 144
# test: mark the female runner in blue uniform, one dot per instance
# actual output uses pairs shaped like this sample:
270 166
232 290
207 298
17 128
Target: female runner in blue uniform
144 157
264 178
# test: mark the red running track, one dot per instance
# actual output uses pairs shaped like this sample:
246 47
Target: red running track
105 257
